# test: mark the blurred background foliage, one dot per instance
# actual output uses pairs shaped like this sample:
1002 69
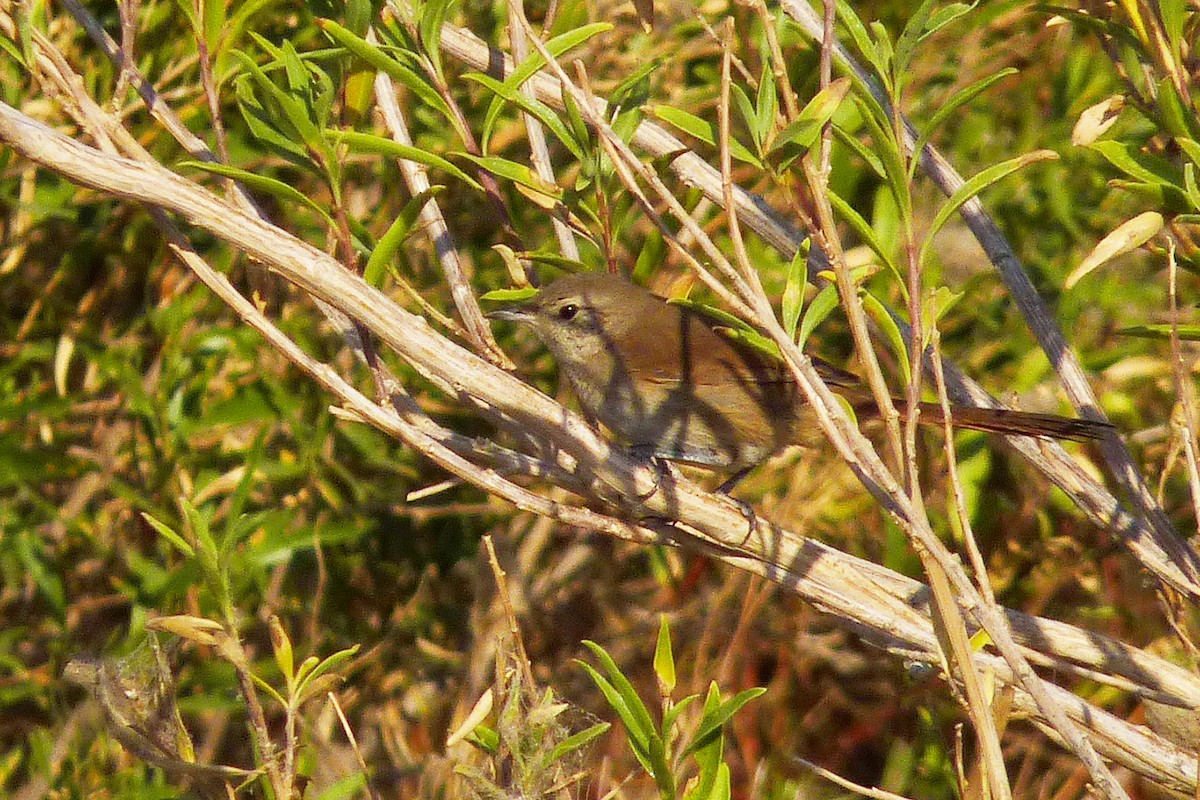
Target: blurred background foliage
127 389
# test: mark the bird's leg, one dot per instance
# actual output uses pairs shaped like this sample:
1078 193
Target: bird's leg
662 467
735 479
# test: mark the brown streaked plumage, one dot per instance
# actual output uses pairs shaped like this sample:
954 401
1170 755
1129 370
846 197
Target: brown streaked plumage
664 379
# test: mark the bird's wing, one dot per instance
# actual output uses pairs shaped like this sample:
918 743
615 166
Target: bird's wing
712 353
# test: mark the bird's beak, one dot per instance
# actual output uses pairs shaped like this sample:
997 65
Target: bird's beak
515 313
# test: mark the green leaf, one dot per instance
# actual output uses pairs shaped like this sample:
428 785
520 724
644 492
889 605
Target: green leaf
704 131
818 310
553 259
48 582
433 15
212 15
664 660
709 755
864 231
974 186
262 124
910 37
891 330
793 291
1136 164
517 173
295 120
576 741
1188 333
1176 116
747 112
370 143
261 183
400 229
509 295
766 104
556 47
485 739
170 535
639 714
634 89
281 646
639 739
381 61
329 664
535 108
858 32
956 101
718 714
876 119
672 713
798 137
852 143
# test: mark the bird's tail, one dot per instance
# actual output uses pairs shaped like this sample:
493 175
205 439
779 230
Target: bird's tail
1004 420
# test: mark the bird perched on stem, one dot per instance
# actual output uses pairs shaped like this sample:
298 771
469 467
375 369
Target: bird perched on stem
671 382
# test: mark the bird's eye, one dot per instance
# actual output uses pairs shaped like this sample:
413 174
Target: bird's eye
568 312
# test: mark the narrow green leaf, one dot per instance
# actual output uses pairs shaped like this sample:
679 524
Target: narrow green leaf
294 112
1137 164
485 738
702 130
709 759
639 739
910 37
851 142
746 110
956 101
509 295
1189 147
212 15
281 646
576 741
945 15
766 104
1190 188
433 15
261 183
1188 333
517 173
329 664
263 125
536 108
716 716
974 186
664 660
799 136
400 229
556 47
49 583
818 310
624 688
672 713
553 259
891 332
633 90
370 143
864 231
792 302
381 61
858 31
170 535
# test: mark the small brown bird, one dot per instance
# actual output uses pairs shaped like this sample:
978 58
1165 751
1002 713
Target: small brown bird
669 382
